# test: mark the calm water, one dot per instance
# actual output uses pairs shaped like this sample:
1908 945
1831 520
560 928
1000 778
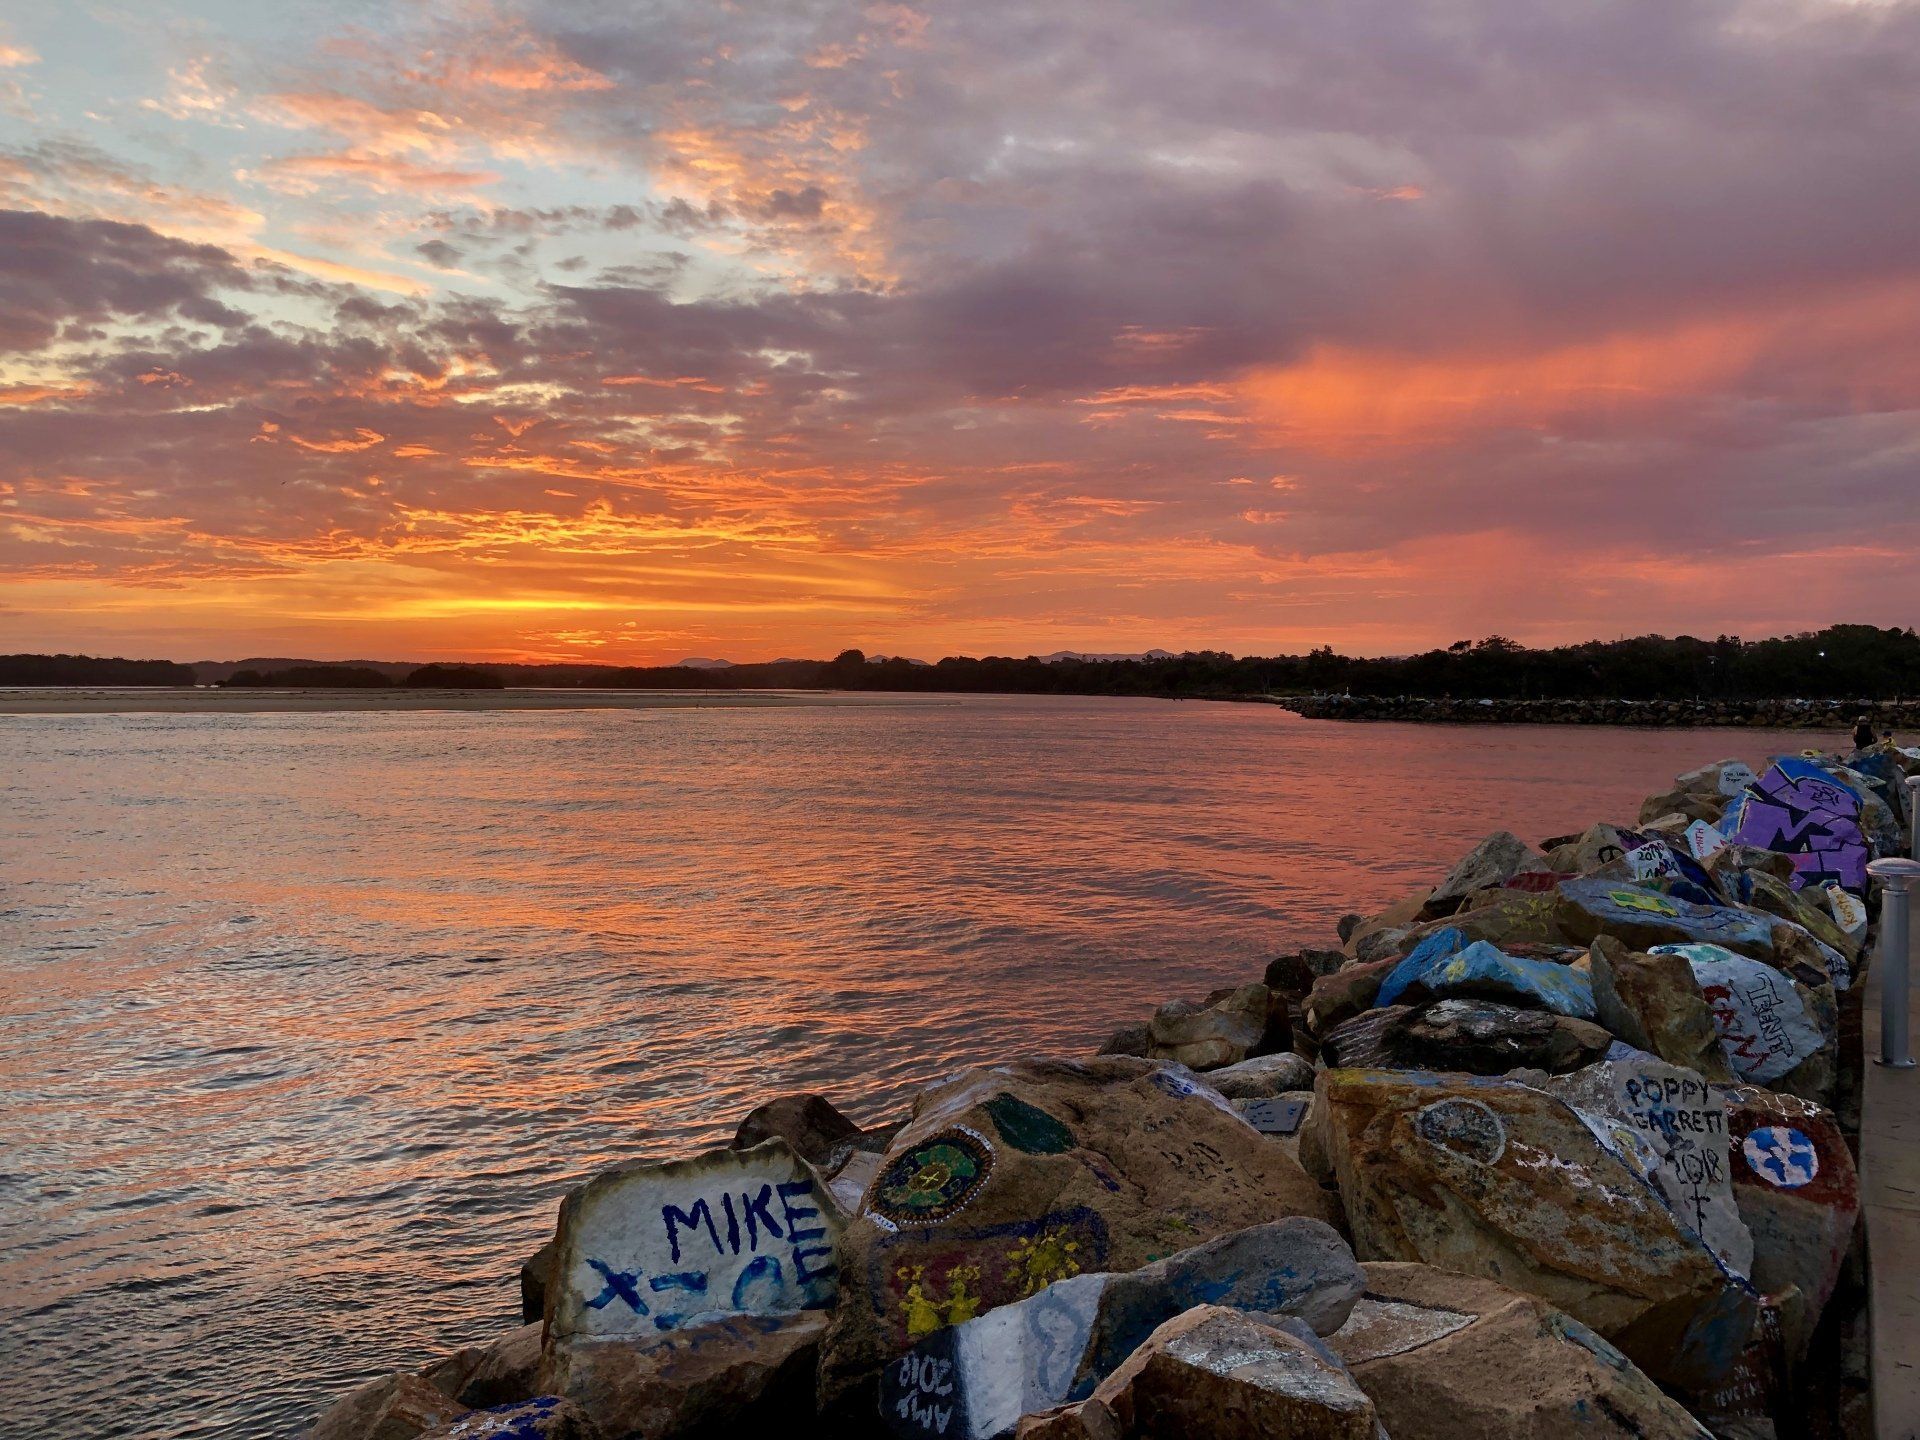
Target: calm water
307 1020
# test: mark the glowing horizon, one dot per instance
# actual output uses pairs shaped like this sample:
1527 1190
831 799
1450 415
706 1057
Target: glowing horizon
520 330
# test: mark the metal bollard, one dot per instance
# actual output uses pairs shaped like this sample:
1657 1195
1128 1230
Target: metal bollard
1913 814
1896 877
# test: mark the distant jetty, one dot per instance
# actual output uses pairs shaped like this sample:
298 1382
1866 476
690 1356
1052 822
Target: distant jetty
1900 716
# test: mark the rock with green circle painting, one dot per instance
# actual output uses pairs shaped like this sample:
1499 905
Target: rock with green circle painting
1500 1180
1011 1177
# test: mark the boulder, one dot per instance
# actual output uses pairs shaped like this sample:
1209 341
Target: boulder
1732 858
1219 1374
1135 1039
1501 1180
648 1247
503 1373
1802 811
1292 975
1798 1191
1673 1125
1263 1076
1774 1031
1849 913
1682 802
1508 916
1644 918
1444 1355
976 1379
1446 965
1494 860
546 1418
722 1377
1723 777
1474 1037
535 1273
808 1123
1654 1004
1011 1177
1397 917
1339 997
1224 1029
394 1407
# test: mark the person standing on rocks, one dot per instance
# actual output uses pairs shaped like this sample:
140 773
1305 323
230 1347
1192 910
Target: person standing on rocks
1862 733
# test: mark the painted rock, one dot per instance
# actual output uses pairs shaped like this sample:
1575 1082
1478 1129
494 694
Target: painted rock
1223 1030
1703 841
1723 777
394 1407
977 1379
1772 1029
1644 918
733 1375
1219 1374
1444 1355
1493 1178
1474 1037
1012 1177
1654 1004
1800 810
1803 931
1849 913
546 1418
1447 965
1263 1077
1798 1191
1676 1123
649 1247
1493 861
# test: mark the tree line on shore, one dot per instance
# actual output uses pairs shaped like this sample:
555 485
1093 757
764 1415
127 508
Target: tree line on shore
1851 661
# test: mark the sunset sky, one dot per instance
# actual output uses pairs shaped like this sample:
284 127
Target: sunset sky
631 331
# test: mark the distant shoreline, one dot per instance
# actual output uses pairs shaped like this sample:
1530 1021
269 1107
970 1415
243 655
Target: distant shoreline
161 700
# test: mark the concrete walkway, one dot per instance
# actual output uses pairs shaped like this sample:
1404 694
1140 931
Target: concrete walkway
1890 1195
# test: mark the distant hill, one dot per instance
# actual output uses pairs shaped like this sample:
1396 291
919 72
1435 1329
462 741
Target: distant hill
699 664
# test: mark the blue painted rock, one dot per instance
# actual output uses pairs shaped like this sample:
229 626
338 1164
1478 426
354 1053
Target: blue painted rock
734 1375
1500 1180
1798 1191
650 1247
1671 1125
545 1418
1219 1374
977 1379
1444 1355
1010 1178
394 1407
1654 1004
1644 918
1447 966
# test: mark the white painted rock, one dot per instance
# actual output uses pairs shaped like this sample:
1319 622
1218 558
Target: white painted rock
651 1247
1678 1123
1763 1022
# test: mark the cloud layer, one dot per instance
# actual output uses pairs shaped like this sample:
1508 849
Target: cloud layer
556 330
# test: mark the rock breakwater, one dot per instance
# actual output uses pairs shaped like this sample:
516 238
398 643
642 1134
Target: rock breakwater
1557 1145
1902 716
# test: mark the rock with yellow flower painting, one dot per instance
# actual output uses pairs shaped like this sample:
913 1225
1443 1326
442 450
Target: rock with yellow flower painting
974 1381
1014 1177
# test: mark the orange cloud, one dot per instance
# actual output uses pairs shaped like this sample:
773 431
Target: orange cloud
361 439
